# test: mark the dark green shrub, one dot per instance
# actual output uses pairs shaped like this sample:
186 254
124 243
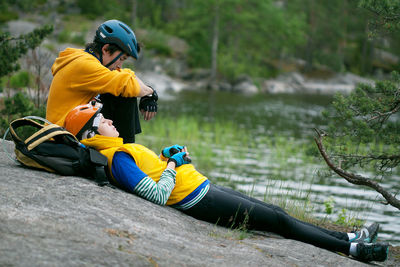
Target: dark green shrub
64 36
18 106
20 80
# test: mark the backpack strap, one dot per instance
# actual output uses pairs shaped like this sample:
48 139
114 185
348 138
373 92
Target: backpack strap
45 132
14 125
100 162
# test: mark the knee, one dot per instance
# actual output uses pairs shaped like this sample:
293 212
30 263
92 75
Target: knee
284 219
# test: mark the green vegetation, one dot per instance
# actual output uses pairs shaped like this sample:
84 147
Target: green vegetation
18 106
21 79
329 204
75 28
155 40
223 139
6 12
237 233
12 48
343 218
191 132
363 133
66 36
258 38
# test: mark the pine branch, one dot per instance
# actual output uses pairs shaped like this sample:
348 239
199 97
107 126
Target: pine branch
386 115
371 157
355 178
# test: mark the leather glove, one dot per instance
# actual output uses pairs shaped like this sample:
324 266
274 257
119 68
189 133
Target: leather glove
149 102
180 159
171 150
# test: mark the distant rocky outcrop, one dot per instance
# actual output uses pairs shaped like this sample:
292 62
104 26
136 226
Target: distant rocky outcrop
173 76
295 82
52 220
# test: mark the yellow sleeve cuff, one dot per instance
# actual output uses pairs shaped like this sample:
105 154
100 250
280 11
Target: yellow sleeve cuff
162 157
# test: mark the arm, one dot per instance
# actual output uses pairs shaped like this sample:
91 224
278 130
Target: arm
157 192
144 89
130 177
89 75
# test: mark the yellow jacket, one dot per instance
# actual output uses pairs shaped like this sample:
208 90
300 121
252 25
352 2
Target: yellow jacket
187 178
78 77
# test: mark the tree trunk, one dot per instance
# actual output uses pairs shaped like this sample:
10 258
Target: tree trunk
133 12
310 40
214 47
343 42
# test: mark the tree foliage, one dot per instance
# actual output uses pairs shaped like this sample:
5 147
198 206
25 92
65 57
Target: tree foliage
364 126
250 34
259 37
386 14
12 48
363 134
255 37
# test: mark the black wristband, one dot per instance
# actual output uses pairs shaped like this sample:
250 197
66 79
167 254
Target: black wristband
154 95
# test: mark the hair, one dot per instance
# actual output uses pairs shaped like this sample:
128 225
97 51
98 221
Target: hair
97 45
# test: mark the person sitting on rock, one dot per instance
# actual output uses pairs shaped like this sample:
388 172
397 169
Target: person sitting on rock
170 179
80 75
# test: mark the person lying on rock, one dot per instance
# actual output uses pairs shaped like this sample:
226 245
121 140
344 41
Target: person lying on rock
170 179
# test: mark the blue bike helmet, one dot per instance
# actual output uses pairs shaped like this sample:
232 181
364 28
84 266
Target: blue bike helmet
118 33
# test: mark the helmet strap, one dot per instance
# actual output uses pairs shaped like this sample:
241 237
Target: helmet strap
115 59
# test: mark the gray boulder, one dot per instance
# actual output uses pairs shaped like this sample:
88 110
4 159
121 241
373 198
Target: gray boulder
244 84
351 79
224 86
52 220
277 87
245 87
295 82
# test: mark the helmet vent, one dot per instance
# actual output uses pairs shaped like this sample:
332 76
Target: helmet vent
108 29
123 27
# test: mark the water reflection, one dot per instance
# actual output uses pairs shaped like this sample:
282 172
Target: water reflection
290 117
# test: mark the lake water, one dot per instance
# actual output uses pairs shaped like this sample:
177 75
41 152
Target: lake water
288 120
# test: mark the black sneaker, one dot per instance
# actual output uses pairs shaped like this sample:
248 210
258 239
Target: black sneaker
367 234
372 251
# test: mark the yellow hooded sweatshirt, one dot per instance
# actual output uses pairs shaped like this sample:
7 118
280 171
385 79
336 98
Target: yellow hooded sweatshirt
187 178
78 77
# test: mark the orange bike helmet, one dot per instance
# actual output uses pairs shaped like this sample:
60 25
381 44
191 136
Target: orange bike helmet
81 118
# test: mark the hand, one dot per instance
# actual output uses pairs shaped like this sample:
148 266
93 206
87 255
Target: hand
171 150
180 159
148 105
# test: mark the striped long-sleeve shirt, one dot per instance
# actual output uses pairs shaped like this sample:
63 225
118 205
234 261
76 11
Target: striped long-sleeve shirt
157 192
131 178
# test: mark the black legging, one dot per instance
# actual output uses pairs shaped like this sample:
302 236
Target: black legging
123 111
229 208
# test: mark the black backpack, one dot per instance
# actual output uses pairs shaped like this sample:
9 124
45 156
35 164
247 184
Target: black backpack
54 149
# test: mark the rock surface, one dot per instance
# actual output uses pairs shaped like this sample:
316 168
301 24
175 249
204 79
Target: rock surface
52 220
